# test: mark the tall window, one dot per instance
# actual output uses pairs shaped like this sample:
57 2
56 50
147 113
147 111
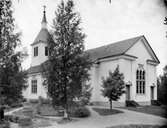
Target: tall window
46 51
34 86
36 51
140 81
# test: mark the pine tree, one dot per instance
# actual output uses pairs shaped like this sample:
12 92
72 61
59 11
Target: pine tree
12 78
67 67
113 86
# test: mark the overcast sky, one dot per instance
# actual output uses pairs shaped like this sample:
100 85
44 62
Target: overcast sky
102 22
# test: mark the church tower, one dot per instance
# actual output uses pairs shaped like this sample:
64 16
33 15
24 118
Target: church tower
39 49
39 54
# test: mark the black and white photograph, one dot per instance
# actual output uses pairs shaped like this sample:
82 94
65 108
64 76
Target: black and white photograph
83 63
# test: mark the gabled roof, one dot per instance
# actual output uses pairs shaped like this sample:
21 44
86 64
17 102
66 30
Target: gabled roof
114 49
42 36
118 48
111 50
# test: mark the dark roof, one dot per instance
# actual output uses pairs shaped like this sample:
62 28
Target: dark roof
39 68
114 49
35 69
42 36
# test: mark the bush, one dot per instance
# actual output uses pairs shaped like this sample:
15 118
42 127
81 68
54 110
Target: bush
155 103
33 101
23 100
16 105
42 101
25 121
12 118
131 103
4 124
81 112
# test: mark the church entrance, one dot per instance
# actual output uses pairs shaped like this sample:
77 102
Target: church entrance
152 93
127 92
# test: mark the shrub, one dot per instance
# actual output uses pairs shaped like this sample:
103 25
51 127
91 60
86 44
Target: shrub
42 100
33 101
4 124
12 118
155 103
84 101
23 100
25 121
15 105
131 103
81 112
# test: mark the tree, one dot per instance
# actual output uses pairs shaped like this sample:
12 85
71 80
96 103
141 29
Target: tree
12 78
113 86
165 21
162 89
67 67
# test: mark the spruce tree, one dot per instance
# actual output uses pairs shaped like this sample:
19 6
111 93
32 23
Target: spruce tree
113 86
12 78
162 88
68 65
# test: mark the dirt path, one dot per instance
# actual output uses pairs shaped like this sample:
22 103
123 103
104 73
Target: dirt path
97 121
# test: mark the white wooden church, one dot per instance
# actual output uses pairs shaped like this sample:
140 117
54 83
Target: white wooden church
135 57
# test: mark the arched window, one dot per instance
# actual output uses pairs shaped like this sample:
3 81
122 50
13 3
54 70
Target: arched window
140 81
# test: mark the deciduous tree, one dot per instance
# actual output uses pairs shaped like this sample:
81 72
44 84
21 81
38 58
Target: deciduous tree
12 77
113 86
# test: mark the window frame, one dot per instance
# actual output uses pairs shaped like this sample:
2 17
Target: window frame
140 82
35 51
34 87
46 51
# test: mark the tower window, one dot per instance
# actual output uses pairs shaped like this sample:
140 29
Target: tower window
34 86
36 51
140 82
46 51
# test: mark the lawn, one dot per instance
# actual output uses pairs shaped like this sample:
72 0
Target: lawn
138 126
106 112
154 110
47 110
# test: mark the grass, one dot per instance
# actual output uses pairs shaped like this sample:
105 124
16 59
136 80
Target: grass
41 122
138 126
154 110
74 111
47 110
106 112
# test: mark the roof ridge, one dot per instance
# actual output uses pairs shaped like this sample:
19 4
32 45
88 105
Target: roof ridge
117 48
116 42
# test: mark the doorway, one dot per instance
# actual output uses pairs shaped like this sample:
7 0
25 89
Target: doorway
152 93
127 92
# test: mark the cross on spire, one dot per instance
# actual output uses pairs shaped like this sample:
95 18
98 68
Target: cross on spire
44 21
44 7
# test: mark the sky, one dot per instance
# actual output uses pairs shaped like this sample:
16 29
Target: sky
103 22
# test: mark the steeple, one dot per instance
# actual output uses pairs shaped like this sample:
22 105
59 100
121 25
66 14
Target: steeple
44 21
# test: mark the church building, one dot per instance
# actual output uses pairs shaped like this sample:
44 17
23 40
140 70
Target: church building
135 57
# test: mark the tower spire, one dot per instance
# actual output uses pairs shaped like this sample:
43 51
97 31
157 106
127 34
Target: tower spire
44 21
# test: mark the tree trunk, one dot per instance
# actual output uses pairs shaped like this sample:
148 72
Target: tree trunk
1 113
110 104
65 114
